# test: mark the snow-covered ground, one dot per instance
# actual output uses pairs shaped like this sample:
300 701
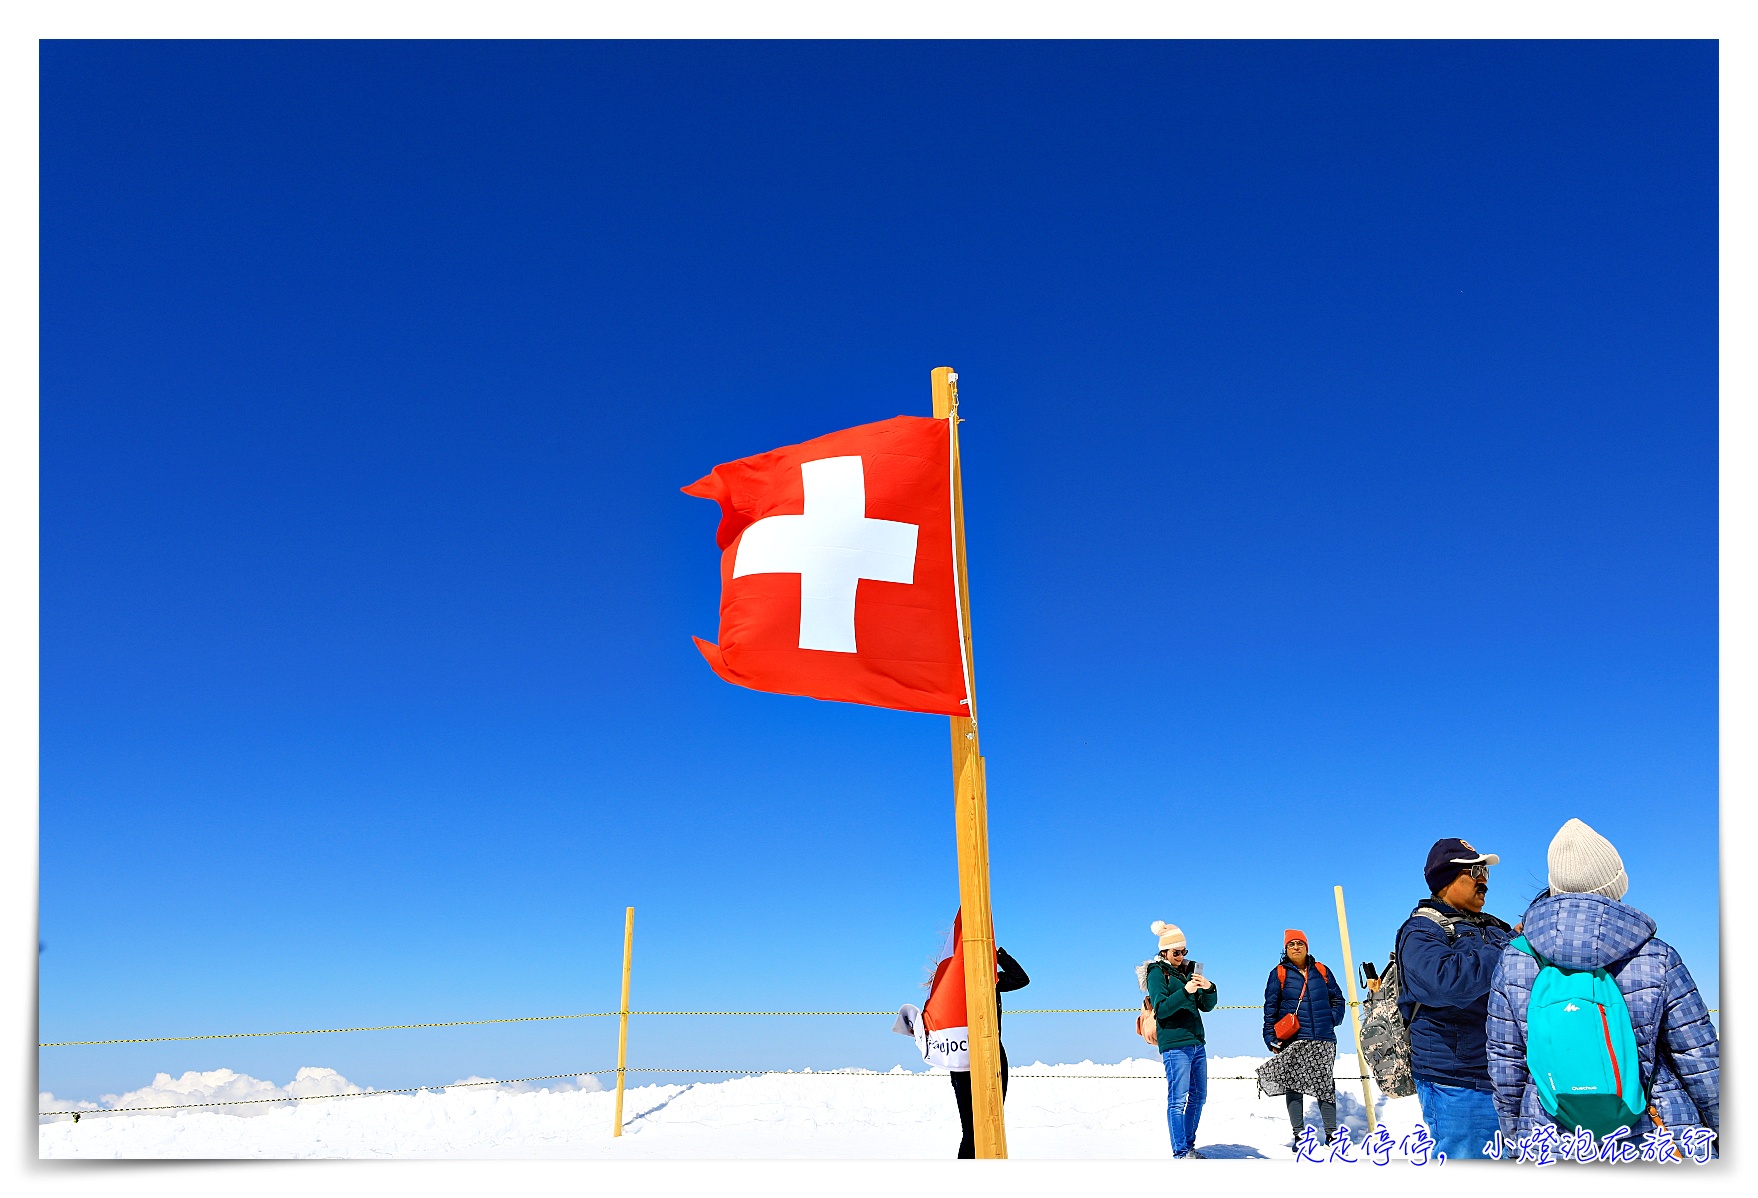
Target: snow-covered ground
1080 1111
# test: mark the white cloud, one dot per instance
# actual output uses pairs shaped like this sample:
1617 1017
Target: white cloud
317 1080
223 1085
48 1102
584 1083
215 1085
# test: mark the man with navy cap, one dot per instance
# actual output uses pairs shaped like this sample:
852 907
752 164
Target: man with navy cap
1447 955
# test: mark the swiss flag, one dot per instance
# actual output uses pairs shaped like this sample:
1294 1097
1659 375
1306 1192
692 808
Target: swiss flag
943 1029
836 569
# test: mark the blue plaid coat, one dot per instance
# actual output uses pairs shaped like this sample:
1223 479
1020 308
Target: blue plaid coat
1681 1055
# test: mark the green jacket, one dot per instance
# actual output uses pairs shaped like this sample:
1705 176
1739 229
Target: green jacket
1178 1012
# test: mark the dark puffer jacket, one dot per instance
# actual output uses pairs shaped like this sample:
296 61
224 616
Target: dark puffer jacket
1680 1052
1320 1012
1009 976
1450 980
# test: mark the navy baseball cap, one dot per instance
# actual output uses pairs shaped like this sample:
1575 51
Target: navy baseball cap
1451 857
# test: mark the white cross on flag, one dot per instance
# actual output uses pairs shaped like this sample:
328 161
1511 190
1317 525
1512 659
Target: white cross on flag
837 569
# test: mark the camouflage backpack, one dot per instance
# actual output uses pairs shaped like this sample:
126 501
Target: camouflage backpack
1385 1037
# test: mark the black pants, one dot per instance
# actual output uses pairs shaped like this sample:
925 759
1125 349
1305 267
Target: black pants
1297 1114
961 1092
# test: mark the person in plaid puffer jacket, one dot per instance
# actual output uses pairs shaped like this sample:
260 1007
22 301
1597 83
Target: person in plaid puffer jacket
1579 923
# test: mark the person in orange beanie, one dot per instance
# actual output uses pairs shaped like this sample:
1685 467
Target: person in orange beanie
1303 1007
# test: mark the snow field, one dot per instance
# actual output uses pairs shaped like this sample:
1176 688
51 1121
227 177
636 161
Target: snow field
1082 1111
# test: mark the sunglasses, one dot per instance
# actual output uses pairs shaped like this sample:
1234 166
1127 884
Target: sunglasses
1480 872
1177 952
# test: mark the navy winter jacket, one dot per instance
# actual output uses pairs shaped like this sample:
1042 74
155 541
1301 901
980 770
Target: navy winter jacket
1450 979
1320 1012
1678 1047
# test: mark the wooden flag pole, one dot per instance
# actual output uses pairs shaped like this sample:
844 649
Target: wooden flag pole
623 1014
971 810
1355 1012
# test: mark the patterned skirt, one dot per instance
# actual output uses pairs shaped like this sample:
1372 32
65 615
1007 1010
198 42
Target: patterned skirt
1304 1067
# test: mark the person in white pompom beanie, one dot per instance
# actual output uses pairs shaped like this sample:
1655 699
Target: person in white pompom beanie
1177 996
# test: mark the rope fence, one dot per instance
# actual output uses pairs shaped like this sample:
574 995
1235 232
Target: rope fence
392 1027
331 1031
399 1027
862 1073
1011 1074
624 1013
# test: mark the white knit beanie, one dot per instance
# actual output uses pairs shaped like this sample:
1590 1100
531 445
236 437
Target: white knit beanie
1169 934
1584 862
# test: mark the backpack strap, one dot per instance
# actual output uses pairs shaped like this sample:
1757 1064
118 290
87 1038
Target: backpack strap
1525 946
1446 922
1323 972
1281 975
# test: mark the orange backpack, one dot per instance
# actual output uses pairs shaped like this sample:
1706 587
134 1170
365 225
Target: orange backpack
1147 1025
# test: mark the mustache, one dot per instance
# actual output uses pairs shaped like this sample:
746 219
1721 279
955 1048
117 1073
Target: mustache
1482 888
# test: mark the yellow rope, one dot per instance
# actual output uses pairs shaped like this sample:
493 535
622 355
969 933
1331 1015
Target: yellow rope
1358 1002
325 1031
1132 1077
1103 1010
891 1012
869 1073
397 1027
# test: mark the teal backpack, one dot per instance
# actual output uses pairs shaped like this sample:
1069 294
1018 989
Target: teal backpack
1581 1048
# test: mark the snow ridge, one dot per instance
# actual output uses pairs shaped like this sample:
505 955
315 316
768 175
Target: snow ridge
1084 1110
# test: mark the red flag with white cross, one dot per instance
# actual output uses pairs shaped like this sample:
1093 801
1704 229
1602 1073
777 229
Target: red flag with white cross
837 575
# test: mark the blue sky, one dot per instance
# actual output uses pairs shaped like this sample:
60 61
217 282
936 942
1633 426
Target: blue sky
1341 474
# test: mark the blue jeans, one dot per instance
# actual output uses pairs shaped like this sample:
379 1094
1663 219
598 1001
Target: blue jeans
1461 1120
1187 1087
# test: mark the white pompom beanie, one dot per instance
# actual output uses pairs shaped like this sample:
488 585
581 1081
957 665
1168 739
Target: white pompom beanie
1169 934
1584 862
